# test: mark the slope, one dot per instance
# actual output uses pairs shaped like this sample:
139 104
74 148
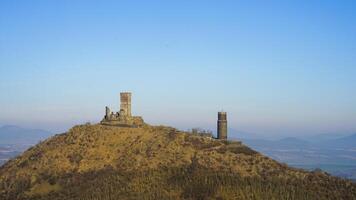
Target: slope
105 162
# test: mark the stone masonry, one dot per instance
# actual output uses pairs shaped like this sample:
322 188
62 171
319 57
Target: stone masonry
124 116
222 126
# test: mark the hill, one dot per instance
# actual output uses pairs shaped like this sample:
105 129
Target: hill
347 142
105 162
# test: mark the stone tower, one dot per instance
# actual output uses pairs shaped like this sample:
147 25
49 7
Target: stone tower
222 125
125 105
124 117
107 113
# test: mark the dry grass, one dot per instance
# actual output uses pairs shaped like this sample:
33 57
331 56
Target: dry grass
86 149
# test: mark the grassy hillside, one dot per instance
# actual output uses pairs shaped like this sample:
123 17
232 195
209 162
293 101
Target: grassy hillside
95 162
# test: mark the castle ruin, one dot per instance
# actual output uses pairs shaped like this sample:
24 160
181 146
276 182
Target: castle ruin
124 116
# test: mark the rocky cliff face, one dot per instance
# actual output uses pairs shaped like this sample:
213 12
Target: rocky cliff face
106 162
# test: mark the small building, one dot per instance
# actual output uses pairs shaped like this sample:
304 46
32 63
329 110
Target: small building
124 116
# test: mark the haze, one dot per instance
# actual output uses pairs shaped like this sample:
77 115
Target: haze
278 68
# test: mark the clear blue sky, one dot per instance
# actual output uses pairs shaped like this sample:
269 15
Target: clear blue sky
276 67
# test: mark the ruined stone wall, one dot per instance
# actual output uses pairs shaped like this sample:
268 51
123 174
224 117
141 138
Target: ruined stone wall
124 116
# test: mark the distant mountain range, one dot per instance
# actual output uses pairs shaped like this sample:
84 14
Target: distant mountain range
14 140
347 142
334 155
10 134
344 142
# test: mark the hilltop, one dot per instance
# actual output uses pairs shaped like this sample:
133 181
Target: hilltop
156 162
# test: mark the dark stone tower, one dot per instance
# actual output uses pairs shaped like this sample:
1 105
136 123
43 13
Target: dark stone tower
222 126
107 113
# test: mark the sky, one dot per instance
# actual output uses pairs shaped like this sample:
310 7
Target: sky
278 68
